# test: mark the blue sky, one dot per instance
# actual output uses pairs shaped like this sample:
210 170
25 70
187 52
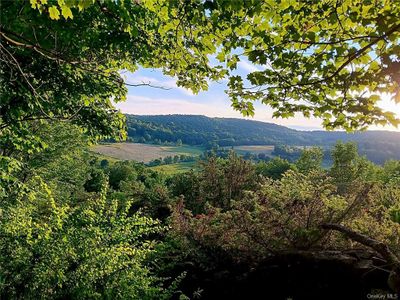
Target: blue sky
212 103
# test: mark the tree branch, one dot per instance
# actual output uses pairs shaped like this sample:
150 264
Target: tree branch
378 246
146 84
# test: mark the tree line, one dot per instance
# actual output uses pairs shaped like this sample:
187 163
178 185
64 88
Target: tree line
210 133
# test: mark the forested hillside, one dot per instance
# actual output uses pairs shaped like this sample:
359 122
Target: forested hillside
378 146
201 130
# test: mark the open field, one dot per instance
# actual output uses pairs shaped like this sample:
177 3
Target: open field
175 168
184 149
143 152
255 149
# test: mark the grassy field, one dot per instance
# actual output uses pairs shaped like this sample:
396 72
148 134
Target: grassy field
188 150
175 168
146 153
143 152
255 149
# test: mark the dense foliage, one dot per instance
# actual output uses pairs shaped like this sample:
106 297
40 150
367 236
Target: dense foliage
88 228
326 59
277 214
68 234
171 160
63 60
378 146
323 58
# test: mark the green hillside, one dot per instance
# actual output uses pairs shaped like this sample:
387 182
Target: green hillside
202 130
197 130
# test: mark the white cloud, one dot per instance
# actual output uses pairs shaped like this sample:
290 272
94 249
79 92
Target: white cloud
140 105
245 65
160 106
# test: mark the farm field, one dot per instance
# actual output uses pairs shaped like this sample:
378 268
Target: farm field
184 149
255 149
143 152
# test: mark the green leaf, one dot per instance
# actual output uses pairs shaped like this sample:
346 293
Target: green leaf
82 4
54 13
66 12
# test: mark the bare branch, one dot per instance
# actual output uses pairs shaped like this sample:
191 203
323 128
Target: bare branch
378 246
147 84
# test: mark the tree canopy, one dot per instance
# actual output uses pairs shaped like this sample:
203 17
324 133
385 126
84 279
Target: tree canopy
328 59
63 60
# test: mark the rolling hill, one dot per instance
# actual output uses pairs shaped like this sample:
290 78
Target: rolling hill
197 130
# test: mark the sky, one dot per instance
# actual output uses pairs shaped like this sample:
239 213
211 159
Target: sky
212 103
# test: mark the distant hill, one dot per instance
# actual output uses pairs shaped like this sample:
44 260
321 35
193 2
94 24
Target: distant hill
378 146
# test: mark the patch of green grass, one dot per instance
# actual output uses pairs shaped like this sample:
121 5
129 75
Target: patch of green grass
175 168
184 149
255 149
101 157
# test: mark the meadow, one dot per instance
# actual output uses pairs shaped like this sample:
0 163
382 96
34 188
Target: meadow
177 168
254 149
143 152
